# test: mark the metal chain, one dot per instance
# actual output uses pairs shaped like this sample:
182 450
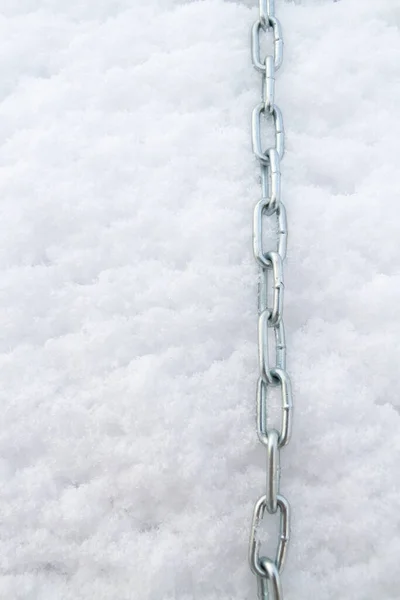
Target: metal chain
270 305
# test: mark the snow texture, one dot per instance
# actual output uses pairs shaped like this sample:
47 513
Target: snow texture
129 458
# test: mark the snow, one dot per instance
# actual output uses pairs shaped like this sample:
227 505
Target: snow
129 458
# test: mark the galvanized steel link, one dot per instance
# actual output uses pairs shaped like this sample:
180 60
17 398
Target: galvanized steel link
264 327
263 25
268 84
254 548
263 155
272 268
271 179
264 207
269 585
273 471
282 378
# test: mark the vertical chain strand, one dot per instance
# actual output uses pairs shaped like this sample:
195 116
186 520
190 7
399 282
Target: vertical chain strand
270 305
267 10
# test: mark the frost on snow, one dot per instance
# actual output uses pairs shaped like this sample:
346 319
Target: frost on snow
129 457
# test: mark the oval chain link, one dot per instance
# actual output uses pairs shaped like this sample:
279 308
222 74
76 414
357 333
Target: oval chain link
254 551
263 25
270 302
282 378
263 155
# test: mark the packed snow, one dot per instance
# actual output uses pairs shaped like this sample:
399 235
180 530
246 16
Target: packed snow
130 463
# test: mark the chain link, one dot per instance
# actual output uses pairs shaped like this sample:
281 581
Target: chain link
268 84
270 303
271 581
259 511
264 25
264 155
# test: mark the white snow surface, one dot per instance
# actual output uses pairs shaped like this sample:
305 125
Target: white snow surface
130 463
